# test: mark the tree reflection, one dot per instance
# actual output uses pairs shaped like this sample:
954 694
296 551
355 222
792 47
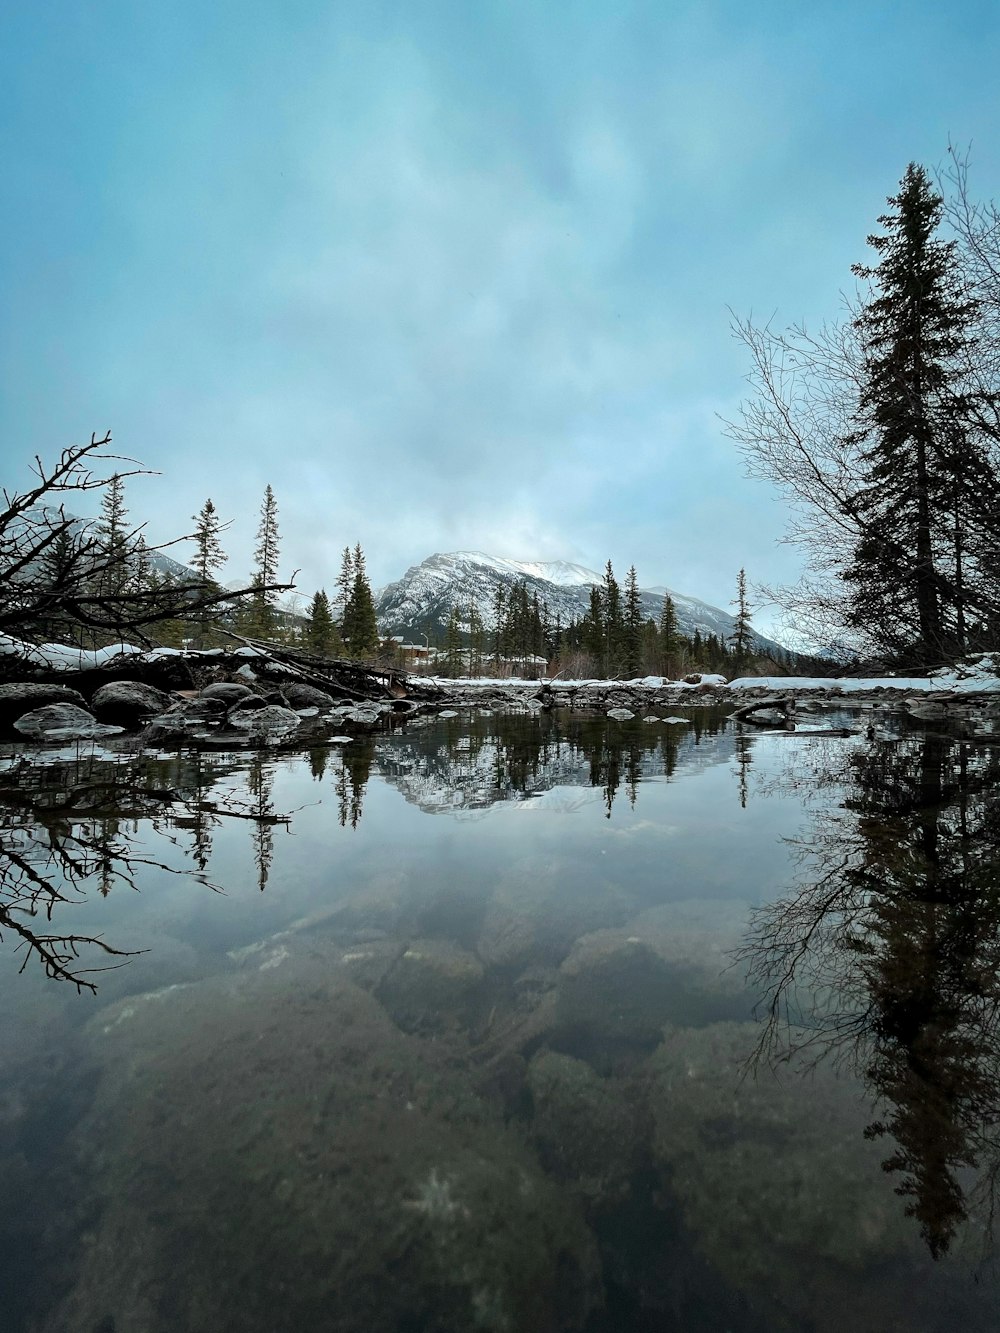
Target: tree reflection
887 952
71 826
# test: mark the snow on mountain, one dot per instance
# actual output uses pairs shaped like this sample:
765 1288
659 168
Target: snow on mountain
419 603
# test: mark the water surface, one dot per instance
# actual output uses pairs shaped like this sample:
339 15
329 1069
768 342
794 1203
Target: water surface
504 1022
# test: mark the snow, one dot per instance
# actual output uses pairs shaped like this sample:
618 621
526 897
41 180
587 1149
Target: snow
62 657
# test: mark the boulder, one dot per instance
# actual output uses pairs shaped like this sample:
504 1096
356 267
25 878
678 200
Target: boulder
226 690
128 703
589 1132
297 694
21 696
62 722
269 1153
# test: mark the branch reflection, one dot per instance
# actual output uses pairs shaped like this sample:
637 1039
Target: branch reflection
887 953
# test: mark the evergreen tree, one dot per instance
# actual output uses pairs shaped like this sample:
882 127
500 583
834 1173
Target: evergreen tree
592 629
209 557
453 655
359 628
741 638
266 556
670 645
113 539
611 604
321 632
345 582
921 466
477 641
632 626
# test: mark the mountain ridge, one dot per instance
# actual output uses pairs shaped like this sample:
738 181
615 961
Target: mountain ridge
420 602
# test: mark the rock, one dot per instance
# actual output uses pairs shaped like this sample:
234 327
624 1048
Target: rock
299 695
431 984
250 703
345 1177
268 721
621 714
128 703
366 717
589 1132
766 1169
62 722
20 697
229 691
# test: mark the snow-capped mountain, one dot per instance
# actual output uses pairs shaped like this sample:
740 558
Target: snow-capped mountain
419 603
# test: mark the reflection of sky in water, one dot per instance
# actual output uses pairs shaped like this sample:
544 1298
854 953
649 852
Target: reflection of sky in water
551 917
685 837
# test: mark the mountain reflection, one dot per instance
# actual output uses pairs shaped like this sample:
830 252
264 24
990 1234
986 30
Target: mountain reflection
887 953
70 825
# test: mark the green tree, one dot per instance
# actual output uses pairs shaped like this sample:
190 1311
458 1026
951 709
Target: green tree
359 628
321 632
266 557
209 557
670 644
613 627
632 625
917 456
741 638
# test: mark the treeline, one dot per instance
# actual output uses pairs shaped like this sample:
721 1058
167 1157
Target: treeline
614 639
107 565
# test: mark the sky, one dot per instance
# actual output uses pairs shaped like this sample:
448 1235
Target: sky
451 274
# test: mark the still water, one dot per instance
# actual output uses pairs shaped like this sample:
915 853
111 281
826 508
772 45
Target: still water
503 1023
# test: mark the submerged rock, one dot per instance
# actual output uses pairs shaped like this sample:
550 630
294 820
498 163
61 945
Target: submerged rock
269 721
269 1153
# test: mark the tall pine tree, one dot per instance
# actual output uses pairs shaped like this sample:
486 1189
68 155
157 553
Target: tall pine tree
266 557
921 466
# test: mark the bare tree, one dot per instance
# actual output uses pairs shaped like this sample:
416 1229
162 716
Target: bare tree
60 574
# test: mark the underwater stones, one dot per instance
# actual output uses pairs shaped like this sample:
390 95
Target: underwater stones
587 1129
767 1170
19 697
621 714
429 982
300 695
128 702
62 722
271 721
614 988
337 1147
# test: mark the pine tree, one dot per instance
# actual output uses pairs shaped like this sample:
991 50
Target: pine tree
453 655
632 626
345 583
921 465
113 534
669 639
321 632
359 628
209 557
611 605
741 638
266 556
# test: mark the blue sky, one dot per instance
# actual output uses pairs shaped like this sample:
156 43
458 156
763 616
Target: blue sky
450 275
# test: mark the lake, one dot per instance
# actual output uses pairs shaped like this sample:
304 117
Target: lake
504 1022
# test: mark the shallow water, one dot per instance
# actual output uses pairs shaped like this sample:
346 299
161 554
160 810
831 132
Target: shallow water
505 1022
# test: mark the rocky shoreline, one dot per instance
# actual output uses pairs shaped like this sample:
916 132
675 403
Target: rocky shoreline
251 697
